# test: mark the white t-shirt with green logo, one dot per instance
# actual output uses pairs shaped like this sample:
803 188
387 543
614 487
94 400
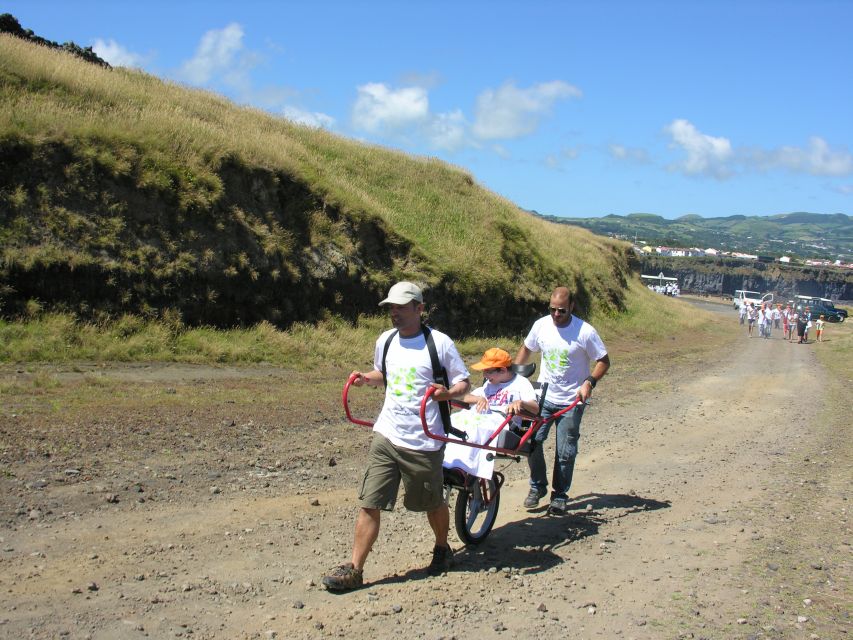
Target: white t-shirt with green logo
408 375
566 355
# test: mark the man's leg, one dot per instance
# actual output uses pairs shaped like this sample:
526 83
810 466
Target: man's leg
536 462
424 489
366 532
350 576
442 554
378 491
439 520
568 434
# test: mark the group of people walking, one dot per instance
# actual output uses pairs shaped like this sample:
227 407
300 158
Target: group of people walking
790 320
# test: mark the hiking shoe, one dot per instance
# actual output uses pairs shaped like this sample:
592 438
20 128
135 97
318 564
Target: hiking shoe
533 497
558 506
442 561
344 578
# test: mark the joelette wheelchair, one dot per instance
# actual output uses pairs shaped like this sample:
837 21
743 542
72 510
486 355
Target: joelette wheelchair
478 498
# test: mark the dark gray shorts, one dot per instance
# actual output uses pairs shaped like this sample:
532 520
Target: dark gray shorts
420 472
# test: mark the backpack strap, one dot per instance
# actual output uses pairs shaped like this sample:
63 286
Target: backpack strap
385 355
439 374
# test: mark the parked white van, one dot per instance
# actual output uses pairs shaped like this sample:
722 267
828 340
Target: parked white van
743 297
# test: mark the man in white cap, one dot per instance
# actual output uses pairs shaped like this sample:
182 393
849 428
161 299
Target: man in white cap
569 346
405 362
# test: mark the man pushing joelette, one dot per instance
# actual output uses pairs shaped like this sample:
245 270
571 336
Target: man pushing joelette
406 359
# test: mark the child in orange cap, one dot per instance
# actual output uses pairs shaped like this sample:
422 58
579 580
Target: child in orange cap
504 390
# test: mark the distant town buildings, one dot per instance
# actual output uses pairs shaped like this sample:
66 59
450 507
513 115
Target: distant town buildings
695 252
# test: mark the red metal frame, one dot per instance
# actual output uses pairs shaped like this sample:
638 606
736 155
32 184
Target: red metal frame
345 398
536 423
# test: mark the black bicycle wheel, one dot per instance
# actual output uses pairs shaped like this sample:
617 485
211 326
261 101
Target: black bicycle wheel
476 510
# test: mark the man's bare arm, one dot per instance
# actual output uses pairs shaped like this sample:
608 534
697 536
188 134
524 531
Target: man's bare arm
455 391
371 378
598 371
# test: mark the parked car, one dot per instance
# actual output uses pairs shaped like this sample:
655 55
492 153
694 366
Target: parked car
743 297
821 307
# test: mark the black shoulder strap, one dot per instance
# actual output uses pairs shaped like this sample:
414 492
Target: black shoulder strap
385 355
439 374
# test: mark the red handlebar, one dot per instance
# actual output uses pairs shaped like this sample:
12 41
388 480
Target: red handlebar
345 398
536 422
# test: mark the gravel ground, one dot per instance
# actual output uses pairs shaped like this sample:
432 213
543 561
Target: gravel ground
710 501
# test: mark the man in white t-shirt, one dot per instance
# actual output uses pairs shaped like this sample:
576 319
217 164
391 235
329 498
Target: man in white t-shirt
568 346
400 450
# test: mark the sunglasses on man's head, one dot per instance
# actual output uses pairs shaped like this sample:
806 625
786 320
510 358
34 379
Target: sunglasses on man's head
558 310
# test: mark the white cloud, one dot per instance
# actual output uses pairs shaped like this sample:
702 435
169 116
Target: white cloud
404 114
308 118
510 112
501 151
631 154
222 59
216 55
117 55
426 80
817 159
706 155
558 160
447 131
378 108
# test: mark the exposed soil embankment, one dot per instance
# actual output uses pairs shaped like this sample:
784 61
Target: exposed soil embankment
262 248
245 245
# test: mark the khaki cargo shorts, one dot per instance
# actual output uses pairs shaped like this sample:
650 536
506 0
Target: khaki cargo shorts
420 471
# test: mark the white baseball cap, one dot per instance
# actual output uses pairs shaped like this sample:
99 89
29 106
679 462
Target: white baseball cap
402 293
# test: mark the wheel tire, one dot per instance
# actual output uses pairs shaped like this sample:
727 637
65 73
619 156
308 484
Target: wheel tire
475 512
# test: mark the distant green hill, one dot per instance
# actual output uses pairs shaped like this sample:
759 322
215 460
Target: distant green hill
805 235
123 193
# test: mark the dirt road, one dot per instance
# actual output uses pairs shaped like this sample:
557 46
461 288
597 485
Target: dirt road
710 501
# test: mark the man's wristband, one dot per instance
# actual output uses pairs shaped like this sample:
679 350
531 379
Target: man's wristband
592 381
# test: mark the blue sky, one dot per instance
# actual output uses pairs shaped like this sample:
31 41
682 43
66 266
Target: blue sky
576 109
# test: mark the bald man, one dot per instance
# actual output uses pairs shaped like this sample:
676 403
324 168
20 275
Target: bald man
574 359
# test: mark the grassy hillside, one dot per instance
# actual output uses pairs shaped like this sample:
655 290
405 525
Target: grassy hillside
123 193
805 235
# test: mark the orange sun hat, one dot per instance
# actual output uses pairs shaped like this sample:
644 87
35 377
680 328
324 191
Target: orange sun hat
494 358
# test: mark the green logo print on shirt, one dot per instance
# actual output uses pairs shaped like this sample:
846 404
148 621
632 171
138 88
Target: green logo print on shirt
401 383
557 359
